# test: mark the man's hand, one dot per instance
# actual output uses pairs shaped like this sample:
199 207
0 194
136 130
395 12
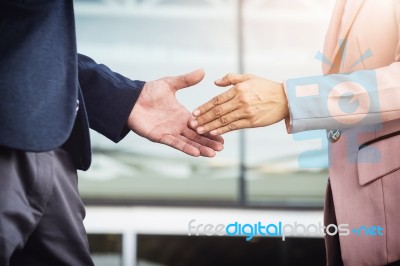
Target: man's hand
159 117
251 102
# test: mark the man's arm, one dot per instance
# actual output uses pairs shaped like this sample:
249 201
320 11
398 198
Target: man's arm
109 97
115 105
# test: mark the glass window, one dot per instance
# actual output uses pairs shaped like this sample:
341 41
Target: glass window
163 250
147 40
281 39
106 249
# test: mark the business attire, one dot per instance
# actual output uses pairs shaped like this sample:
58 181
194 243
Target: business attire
49 96
358 102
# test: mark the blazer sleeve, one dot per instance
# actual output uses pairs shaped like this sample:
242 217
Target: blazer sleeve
336 101
340 101
108 97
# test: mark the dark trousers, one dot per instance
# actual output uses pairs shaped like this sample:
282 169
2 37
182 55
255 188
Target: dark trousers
41 213
332 244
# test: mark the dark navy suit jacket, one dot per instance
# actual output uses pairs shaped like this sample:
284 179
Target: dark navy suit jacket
42 77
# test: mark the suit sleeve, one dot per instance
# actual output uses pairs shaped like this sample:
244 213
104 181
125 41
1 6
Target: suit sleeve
108 97
364 97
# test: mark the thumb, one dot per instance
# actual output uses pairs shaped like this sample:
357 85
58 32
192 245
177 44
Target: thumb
186 80
232 79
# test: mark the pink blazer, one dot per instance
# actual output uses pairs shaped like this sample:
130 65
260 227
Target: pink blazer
360 95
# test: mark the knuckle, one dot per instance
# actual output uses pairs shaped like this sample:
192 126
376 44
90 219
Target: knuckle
242 99
235 116
253 121
232 126
203 109
241 88
223 120
216 100
217 111
247 111
231 93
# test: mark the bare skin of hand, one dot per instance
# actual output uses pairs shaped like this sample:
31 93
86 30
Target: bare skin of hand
159 117
251 102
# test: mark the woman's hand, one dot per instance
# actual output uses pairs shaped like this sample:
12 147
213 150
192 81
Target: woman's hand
251 102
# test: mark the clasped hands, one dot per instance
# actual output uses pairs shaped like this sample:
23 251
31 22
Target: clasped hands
159 117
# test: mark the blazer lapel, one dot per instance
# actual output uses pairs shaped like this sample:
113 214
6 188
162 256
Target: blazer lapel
340 37
332 34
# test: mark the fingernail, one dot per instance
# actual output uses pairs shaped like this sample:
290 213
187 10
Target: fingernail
213 132
194 123
196 112
200 130
218 81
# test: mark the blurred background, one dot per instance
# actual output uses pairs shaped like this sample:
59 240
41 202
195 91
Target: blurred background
140 196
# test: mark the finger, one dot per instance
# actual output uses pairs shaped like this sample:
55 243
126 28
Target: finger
180 145
221 122
186 80
243 123
232 79
207 135
217 112
217 100
204 150
203 140
207 152
217 138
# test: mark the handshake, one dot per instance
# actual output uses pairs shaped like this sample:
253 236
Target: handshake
251 102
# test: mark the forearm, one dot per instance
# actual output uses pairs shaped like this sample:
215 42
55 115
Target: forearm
109 97
344 100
